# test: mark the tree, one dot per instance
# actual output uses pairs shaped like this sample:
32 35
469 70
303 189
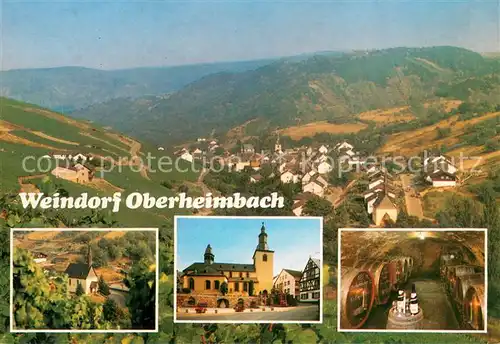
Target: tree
110 310
79 289
103 287
40 302
223 288
318 206
251 288
141 297
183 188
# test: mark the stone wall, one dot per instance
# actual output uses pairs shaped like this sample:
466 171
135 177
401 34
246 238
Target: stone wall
213 300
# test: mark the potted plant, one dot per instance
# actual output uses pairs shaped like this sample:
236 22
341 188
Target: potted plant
201 308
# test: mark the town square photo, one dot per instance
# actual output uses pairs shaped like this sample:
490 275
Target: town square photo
248 269
413 280
84 280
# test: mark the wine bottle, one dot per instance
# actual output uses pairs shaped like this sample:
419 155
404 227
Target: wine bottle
400 304
413 301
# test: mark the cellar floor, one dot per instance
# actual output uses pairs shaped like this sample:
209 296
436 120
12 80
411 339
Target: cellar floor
438 312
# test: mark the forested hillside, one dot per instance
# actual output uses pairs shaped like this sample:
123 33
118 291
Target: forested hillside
69 88
286 93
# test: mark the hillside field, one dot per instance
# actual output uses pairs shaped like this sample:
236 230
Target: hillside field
28 131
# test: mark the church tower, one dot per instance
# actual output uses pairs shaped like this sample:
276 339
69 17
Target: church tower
277 145
263 260
89 256
208 257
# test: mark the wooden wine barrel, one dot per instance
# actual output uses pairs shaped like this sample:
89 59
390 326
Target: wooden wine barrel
407 321
357 297
474 307
402 269
462 285
446 262
456 271
411 265
381 271
396 267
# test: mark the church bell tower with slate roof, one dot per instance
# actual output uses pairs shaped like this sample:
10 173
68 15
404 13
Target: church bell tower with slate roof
263 260
89 256
209 256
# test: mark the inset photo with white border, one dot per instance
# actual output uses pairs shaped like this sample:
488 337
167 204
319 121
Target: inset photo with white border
412 280
84 280
248 269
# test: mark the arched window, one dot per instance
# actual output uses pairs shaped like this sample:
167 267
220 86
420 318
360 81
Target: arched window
217 285
191 283
264 257
207 284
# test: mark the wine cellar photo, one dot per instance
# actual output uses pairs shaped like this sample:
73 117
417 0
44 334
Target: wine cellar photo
419 279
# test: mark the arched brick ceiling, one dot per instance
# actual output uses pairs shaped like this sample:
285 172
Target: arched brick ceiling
376 244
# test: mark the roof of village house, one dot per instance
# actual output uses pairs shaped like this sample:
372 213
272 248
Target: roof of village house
434 167
301 199
379 193
380 174
317 262
318 179
303 196
257 177
384 201
294 273
442 175
78 270
290 170
247 146
381 187
435 157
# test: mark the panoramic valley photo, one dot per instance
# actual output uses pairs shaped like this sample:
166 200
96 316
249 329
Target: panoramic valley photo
375 115
413 280
71 279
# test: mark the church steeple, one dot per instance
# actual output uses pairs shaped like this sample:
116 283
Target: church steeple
277 145
208 257
262 239
89 256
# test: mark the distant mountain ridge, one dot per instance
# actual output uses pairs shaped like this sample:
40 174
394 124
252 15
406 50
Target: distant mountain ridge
325 87
67 89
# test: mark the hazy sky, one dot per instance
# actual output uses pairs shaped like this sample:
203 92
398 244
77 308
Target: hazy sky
122 34
234 240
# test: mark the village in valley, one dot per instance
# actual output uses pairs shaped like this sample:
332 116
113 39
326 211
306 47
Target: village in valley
385 187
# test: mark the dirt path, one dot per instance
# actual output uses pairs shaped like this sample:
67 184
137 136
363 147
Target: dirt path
343 196
413 204
8 137
134 152
54 115
27 187
52 138
103 185
206 190
84 133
